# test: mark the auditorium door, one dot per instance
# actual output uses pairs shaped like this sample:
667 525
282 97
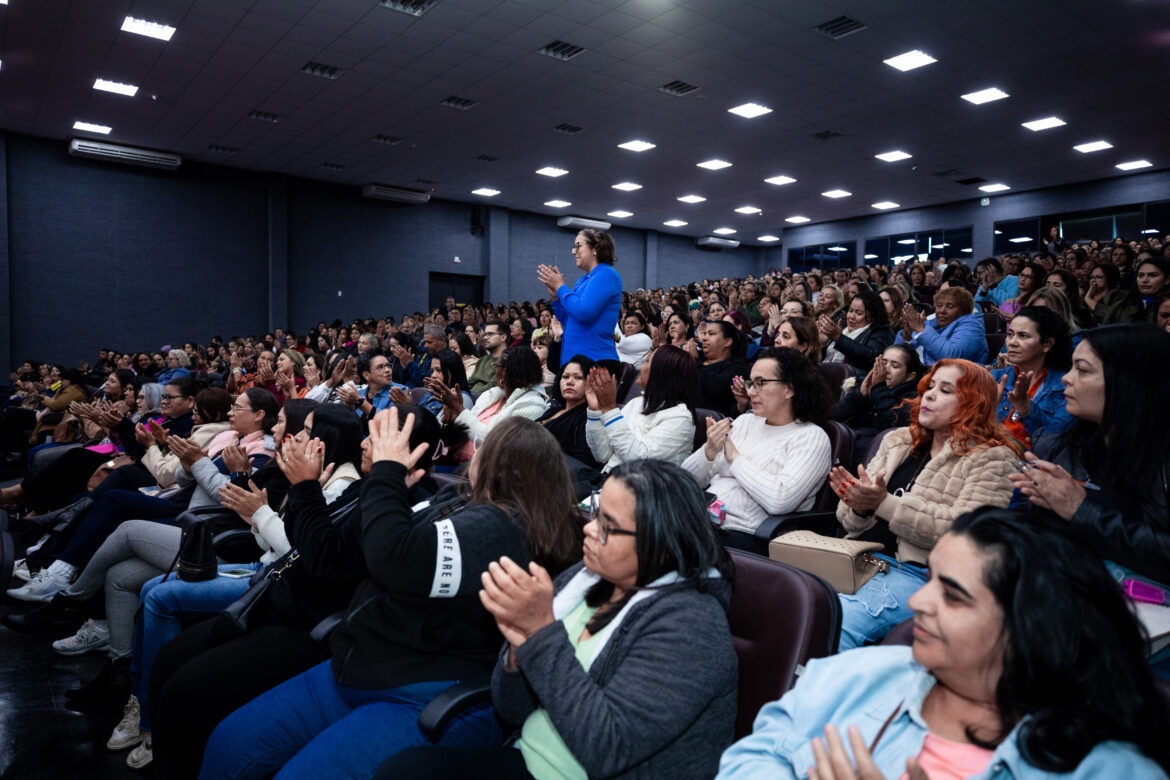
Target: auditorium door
465 288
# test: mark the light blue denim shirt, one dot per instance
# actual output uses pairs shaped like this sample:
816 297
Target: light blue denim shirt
864 688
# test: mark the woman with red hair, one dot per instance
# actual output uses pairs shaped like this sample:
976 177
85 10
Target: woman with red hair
955 456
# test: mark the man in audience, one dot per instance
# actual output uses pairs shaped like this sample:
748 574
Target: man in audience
993 285
416 368
493 340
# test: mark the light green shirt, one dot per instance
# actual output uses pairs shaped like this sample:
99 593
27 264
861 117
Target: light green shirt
545 754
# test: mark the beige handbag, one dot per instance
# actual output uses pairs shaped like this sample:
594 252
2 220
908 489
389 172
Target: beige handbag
845 564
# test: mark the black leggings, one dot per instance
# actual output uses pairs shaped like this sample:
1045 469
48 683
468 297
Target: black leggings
195 683
428 763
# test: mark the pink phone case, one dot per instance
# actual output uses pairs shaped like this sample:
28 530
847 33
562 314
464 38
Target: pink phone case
1140 591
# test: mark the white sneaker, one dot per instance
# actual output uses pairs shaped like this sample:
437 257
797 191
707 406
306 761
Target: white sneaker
20 570
126 733
42 587
140 757
40 543
93 635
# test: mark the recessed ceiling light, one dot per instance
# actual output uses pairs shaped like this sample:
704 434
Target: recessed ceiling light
778 180
1093 146
89 127
968 249
487 192
548 170
714 165
149 29
910 60
908 241
1046 123
994 187
1149 230
619 214
999 232
893 156
1133 165
636 146
113 86
985 95
627 186
692 198
884 204
837 194
1020 239
837 249
767 239
797 220
674 223
870 257
723 231
557 204
943 244
750 110
748 210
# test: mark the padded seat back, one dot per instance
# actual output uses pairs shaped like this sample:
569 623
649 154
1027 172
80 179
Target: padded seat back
995 342
841 441
994 322
835 375
418 394
780 618
625 379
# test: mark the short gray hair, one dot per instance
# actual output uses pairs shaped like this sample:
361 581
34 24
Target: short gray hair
434 330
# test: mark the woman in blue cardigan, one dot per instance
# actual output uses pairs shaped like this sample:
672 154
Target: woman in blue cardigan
589 311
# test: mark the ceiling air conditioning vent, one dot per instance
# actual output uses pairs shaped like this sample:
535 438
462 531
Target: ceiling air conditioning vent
412 7
487 158
945 174
426 182
580 223
389 140
332 166
322 70
96 150
559 50
568 129
678 88
454 101
825 135
838 28
396 194
711 242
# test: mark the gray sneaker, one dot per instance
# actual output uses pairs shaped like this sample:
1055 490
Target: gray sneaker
92 636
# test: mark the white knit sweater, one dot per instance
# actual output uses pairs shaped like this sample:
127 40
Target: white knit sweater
780 468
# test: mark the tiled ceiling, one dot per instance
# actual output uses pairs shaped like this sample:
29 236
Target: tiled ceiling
1101 65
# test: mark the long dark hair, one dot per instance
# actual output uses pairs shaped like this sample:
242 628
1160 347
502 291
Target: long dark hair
584 363
514 450
673 380
1075 665
454 372
263 401
340 430
1131 445
1050 325
672 533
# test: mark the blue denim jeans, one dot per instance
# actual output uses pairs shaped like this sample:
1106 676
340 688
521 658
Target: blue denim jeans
311 727
166 607
879 605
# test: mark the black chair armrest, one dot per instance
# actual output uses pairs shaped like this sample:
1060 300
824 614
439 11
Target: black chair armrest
321 631
436 716
824 523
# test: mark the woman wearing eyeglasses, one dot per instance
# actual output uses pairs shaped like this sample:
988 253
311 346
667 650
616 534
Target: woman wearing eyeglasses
775 459
622 667
589 310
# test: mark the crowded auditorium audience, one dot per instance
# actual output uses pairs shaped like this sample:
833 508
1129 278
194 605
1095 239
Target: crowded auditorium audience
547 512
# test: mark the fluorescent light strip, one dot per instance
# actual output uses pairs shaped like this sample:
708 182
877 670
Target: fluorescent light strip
1047 123
1020 239
557 204
750 110
113 86
89 127
910 60
637 146
724 231
837 249
149 29
1133 165
797 220
768 238
674 223
985 95
619 214
870 257
1093 146
552 172
884 204
748 210
968 249
627 186
486 192
837 194
908 241
714 165
893 156
779 180
994 187
1148 231
692 198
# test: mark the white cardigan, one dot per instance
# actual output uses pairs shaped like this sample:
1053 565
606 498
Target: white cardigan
626 434
530 402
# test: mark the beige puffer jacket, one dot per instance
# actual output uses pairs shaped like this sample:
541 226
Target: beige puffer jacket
948 486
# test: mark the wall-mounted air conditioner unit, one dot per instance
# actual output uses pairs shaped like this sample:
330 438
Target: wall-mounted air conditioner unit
129 155
580 223
396 194
711 242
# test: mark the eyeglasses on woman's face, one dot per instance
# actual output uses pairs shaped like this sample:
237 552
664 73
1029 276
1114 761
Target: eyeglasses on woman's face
758 384
604 529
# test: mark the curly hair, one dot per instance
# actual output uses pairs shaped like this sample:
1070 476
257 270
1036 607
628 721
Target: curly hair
811 399
974 423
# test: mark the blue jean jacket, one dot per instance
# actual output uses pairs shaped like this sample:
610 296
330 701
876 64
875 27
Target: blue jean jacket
1048 414
864 688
